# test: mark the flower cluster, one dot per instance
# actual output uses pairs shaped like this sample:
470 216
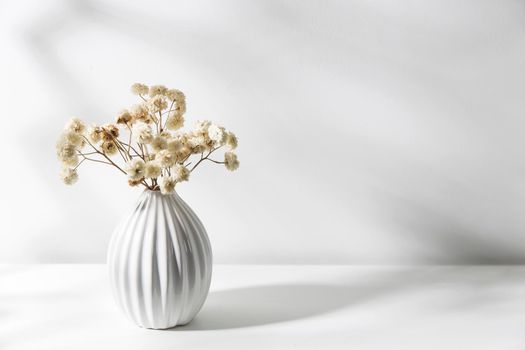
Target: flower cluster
149 139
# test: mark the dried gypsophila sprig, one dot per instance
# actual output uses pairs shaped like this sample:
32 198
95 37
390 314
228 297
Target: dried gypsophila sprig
157 154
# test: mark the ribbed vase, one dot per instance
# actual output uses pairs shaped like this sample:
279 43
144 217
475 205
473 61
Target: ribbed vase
160 262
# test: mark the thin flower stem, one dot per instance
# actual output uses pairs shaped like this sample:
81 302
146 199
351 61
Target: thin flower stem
146 153
123 148
143 151
104 155
185 159
129 142
168 111
119 149
82 161
92 160
132 148
204 158
153 115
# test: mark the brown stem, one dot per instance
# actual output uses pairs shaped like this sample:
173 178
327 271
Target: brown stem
143 181
120 149
132 148
200 160
168 111
204 158
142 151
104 155
75 168
93 160
110 162
129 141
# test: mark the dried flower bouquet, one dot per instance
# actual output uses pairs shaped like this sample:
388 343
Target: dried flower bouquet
148 138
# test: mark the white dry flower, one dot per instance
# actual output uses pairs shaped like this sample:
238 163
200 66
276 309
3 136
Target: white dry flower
167 184
183 138
166 158
166 134
124 117
110 132
181 107
174 145
157 90
136 169
64 148
175 121
140 112
67 146
142 132
139 89
69 176
152 169
230 161
75 125
70 161
67 154
197 144
201 127
157 104
217 134
196 141
95 133
109 148
158 143
181 173
175 95
184 153
72 138
156 132
134 183
179 98
231 140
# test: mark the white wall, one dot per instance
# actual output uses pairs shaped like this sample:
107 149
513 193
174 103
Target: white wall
370 131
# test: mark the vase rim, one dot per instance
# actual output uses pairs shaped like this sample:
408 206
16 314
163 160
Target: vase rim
157 192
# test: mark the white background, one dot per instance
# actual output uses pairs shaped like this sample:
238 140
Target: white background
370 131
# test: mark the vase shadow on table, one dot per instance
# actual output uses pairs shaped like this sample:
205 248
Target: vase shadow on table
269 304
260 305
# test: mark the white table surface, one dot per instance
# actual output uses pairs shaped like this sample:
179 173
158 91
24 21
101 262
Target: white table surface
276 307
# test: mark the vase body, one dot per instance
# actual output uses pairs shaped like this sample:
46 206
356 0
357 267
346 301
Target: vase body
160 262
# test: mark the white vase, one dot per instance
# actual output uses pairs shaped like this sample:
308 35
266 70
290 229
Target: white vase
160 262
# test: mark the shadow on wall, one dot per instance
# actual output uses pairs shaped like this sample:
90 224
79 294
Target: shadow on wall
445 238
441 236
42 37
